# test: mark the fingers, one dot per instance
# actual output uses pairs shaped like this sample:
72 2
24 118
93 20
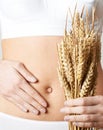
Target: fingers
83 118
24 106
15 102
84 112
86 121
80 110
86 101
33 93
20 67
24 96
18 90
37 100
28 99
89 124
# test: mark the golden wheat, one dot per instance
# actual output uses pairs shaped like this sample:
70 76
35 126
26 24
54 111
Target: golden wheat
79 54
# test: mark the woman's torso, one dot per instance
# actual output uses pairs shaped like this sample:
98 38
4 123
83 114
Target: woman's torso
38 53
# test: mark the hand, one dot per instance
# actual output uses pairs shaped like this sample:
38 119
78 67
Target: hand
15 86
89 111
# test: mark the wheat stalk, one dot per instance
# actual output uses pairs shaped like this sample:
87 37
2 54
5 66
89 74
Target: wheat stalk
79 54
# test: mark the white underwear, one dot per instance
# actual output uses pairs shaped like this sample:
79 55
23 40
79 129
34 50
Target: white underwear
8 122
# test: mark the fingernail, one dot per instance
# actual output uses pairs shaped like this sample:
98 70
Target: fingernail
35 112
44 104
66 118
33 79
43 110
24 109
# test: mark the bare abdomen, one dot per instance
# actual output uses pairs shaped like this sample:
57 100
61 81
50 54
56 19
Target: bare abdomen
39 54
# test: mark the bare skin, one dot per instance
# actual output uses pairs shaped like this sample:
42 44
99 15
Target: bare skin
38 55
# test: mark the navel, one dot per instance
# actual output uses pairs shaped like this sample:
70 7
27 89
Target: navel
49 89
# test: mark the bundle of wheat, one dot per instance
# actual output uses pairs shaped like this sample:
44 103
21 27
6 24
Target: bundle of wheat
79 54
